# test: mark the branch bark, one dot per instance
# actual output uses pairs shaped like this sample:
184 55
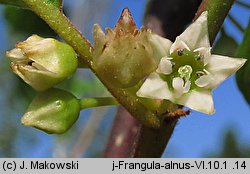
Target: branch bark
123 135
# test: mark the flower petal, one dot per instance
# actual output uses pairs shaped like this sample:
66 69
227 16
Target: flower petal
196 35
178 44
165 66
16 54
178 84
187 87
203 81
154 87
221 67
39 80
201 101
205 53
180 87
160 45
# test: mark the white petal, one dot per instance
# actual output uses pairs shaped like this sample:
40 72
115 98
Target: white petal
16 54
154 87
196 35
187 87
165 66
180 87
178 84
203 81
178 44
201 101
221 67
34 38
205 52
160 45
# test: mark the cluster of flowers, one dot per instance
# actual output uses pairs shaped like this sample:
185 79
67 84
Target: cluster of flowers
184 72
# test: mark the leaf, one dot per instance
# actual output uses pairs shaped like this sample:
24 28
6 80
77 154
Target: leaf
18 3
25 22
225 45
243 75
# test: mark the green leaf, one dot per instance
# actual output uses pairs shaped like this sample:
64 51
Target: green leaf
243 75
225 45
18 3
25 22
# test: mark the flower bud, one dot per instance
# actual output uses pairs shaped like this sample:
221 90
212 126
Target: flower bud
53 111
42 62
124 55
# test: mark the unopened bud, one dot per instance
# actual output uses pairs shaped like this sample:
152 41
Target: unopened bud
42 62
53 111
123 56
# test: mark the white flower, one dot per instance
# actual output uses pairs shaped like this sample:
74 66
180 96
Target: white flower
188 73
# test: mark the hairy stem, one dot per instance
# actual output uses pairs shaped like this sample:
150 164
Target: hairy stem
217 12
53 15
96 102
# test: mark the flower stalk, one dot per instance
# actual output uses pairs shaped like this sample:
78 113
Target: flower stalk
96 102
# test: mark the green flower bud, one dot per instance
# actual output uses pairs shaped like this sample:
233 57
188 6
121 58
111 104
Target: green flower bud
42 63
124 55
53 111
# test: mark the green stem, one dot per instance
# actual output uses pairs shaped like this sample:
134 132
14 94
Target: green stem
96 102
217 12
53 15
60 23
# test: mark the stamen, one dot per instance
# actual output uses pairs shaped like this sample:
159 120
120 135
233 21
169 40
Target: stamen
200 73
180 52
206 71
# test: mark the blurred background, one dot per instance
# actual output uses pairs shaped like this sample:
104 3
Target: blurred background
224 134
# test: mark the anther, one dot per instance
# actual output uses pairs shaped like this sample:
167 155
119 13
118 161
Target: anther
180 52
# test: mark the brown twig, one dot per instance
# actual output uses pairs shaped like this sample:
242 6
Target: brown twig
122 136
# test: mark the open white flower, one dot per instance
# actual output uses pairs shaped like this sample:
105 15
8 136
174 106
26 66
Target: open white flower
188 73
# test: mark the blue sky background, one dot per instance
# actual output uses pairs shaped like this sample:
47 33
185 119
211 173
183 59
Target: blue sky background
195 135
